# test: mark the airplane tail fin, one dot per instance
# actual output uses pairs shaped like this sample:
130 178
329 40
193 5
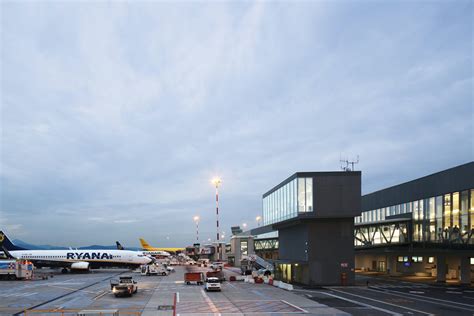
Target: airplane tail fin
119 246
6 244
144 244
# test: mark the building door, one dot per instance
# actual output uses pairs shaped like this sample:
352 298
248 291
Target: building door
381 266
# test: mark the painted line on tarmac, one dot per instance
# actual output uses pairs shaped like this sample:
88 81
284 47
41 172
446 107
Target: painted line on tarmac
431 300
100 295
383 302
358 303
209 302
294 306
70 289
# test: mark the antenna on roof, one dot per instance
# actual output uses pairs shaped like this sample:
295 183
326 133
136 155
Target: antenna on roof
345 163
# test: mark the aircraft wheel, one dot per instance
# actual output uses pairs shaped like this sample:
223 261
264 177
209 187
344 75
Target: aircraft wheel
64 271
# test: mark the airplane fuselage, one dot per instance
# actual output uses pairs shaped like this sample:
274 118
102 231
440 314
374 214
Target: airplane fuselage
94 258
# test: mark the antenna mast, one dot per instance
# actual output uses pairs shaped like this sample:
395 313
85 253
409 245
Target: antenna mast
348 163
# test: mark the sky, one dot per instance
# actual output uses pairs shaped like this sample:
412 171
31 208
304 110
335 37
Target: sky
115 116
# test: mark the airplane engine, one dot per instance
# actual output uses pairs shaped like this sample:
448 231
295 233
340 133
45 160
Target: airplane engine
80 265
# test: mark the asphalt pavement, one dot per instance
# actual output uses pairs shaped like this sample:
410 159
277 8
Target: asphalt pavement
382 296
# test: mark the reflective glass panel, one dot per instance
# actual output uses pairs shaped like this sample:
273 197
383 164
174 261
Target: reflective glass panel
447 211
301 195
309 194
455 209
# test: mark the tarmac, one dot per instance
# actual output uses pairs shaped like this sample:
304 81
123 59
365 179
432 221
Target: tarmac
67 294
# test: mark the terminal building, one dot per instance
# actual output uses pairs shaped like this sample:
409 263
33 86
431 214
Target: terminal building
422 227
318 228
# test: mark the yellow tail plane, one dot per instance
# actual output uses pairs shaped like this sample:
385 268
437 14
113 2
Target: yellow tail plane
147 247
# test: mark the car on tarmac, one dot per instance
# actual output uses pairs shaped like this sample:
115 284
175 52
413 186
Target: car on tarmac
212 284
125 286
217 265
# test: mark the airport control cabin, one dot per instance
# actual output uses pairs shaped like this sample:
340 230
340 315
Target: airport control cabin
423 227
307 232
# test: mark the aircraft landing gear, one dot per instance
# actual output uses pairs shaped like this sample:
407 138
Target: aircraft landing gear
64 271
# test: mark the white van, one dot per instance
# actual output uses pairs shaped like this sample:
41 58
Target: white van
212 284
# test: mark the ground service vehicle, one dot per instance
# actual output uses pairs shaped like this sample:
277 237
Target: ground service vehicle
125 286
153 269
212 284
197 277
16 269
217 265
216 274
203 262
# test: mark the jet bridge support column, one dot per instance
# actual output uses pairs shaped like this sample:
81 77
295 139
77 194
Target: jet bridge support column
441 268
465 270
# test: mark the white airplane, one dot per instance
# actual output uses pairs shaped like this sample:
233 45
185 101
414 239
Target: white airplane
155 253
74 259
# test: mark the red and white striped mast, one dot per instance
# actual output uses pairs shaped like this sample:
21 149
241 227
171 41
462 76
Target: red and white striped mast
217 181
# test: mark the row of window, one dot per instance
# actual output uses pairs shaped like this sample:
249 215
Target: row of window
294 197
414 259
448 210
445 217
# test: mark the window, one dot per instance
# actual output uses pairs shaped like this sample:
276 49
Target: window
464 211
447 211
309 194
301 195
455 209
472 260
472 209
430 259
244 247
417 259
400 259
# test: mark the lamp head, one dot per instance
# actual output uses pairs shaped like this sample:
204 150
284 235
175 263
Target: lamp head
216 181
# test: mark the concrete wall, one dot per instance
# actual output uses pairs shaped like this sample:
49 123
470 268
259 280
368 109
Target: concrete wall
331 243
235 251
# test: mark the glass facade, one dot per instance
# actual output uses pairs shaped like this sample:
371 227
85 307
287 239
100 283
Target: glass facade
435 219
287 201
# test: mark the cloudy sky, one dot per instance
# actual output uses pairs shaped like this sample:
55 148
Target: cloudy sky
115 116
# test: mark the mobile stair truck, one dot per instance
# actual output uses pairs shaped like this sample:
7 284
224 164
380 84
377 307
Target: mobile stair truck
16 270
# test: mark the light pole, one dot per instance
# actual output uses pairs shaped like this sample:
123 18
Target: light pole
217 181
244 225
258 219
196 220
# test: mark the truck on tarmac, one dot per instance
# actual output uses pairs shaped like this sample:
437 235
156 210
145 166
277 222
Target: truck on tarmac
16 270
197 277
216 274
154 269
125 286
